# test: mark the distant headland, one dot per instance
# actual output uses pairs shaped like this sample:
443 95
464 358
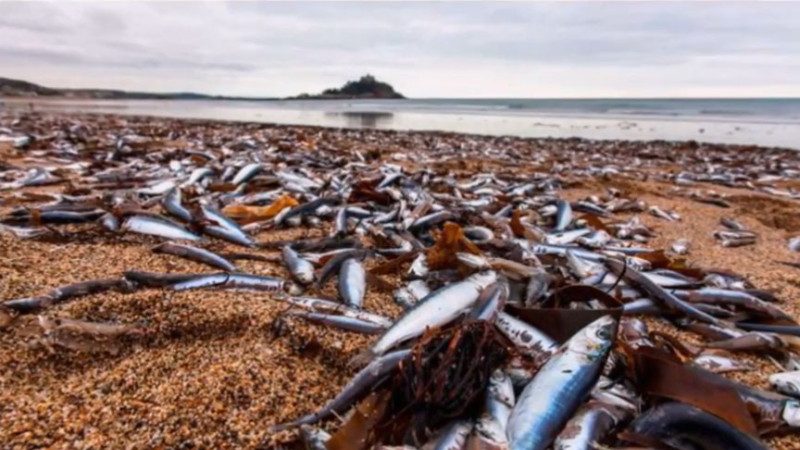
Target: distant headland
365 87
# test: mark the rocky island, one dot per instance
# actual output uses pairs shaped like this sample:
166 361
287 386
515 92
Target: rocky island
365 87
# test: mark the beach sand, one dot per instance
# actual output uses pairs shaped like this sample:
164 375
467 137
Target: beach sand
216 368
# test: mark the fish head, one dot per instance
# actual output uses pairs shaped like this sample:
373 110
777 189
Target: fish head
791 413
595 339
483 279
470 260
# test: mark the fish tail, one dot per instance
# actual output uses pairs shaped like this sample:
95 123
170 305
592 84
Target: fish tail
363 358
283 426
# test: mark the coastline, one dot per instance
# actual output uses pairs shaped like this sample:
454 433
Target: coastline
423 115
214 372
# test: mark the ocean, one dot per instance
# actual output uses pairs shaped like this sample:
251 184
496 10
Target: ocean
768 122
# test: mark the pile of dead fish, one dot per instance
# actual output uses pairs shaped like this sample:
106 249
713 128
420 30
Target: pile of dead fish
523 325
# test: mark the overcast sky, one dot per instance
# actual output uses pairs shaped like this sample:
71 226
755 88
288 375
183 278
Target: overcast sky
423 49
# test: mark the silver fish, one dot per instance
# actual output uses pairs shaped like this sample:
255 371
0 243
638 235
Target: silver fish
680 247
314 438
563 215
526 338
411 294
558 389
786 383
794 244
720 364
301 270
500 398
438 308
197 175
246 173
172 204
158 227
488 435
365 379
453 437
341 322
195 254
318 304
352 282
589 426
109 222
232 281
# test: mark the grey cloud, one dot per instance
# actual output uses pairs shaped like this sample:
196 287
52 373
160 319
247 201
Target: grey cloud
462 48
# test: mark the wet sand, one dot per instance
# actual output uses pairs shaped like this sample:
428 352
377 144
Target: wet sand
216 368
410 115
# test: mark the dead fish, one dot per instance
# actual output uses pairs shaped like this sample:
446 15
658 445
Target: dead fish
419 267
23 232
735 238
560 386
314 438
352 282
500 398
563 215
364 380
794 244
231 281
157 226
752 341
341 322
680 247
670 216
246 173
159 188
682 426
412 293
487 435
438 308
478 234
333 265
322 305
195 254
154 279
786 383
63 293
590 425
739 299
172 204
537 287
431 220
732 224
453 436
658 293
566 237
109 222
301 270
720 364
224 227
490 302
527 339
197 175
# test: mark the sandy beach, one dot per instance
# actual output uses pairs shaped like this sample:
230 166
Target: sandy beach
214 368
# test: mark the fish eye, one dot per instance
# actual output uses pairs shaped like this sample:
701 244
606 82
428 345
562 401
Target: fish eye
604 333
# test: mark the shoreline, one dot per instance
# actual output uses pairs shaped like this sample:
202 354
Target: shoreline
506 122
213 371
